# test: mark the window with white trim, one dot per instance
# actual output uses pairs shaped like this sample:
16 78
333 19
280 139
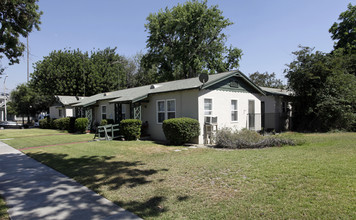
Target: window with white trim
166 109
161 111
103 112
171 108
59 113
234 112
208 106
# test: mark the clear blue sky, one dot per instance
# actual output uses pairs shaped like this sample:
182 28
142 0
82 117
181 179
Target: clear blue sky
266 31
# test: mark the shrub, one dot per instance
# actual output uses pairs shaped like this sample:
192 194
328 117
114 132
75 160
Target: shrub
46 123
110 121
226 138
180 130
103 122
81 124
131 128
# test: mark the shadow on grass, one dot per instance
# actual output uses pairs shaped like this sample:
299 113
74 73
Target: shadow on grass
98 171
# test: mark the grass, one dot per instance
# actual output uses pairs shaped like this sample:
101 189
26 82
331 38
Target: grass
3 210
314 180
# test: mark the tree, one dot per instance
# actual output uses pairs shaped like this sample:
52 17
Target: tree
27 102
324 91
267 80
187 40
73 72
17 17
345 32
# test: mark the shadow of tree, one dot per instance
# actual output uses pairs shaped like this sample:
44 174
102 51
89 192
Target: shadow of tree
97 171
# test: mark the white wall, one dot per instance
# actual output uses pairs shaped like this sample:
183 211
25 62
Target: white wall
222 109
110 111
186 106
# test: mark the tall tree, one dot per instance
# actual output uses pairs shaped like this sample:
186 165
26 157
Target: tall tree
17 18
267 80
73 72
325 92
187 40
344 32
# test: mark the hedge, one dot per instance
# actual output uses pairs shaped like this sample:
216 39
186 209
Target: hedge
131 128
81 124
180 130
62 123
46 123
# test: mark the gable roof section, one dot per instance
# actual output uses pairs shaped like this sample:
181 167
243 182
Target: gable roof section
67 100
139 93
275 91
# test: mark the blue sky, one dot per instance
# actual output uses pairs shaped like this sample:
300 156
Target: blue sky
266 31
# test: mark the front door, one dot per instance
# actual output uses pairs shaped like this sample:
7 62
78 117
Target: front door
251 114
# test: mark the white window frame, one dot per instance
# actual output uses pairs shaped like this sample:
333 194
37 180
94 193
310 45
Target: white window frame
211 111
175 108
101 111
234 110
165 112
158 112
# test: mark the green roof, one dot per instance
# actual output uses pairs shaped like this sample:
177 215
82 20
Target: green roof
139 93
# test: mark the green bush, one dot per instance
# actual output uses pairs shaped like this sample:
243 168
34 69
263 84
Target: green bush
46 123
227 138
103 122
81 124
180 130
131 128
61 123
110 121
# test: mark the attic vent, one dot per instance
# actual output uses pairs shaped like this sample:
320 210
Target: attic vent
105 94
154 86
234 84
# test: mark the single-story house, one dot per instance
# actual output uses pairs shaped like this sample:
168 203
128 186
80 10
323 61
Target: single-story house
227 99
276 109
62 107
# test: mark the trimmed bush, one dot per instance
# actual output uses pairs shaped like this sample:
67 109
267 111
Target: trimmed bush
103 122
61 123
46 123
227 138
131 128
81 124
180 130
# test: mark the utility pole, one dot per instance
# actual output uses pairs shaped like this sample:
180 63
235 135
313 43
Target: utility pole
28 62
5 111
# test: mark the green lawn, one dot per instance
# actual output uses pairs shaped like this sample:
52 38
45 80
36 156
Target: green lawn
3 210
313 180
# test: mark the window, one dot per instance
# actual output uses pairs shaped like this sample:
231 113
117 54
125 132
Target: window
123 111
161 111
284 107
171 109
208 106
103 112
59 113
166 109
234 116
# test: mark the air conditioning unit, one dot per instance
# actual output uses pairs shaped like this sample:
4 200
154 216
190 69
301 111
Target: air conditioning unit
211 120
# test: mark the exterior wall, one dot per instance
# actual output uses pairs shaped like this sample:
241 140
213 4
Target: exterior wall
110 111
53 111
221 107
186 106
66 112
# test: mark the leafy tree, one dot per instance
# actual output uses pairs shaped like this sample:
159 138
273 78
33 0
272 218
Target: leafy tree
325 92
345 32
17 17
25 101
187 40
73 72
267 80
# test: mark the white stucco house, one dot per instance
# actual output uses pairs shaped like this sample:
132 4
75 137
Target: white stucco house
62 107
227 99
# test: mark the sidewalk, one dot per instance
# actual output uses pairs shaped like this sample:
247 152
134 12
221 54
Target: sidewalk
35 191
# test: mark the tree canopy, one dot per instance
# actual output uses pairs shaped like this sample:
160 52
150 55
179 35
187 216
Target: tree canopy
77 73
267 80
325 92
17 18
187 40
344 32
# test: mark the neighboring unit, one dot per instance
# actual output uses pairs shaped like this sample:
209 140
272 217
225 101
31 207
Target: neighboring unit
62 106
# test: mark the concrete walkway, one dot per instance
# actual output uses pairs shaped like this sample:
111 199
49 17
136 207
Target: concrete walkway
35 191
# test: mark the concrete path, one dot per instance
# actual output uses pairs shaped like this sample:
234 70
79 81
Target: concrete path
35 191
